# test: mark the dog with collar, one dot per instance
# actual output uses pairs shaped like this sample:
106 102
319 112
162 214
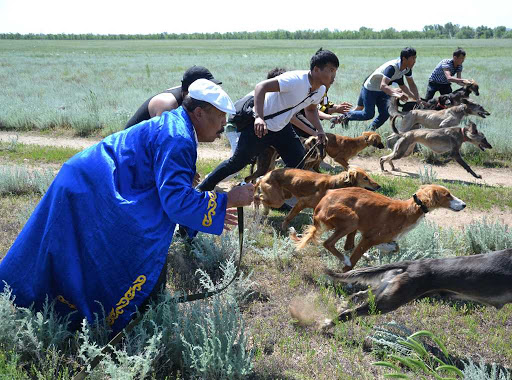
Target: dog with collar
308 187
378 218
443 140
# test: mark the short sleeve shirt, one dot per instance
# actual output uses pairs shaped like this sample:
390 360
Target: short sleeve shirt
295 91
438 75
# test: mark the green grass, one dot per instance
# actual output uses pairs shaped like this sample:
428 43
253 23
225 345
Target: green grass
94 86
28 153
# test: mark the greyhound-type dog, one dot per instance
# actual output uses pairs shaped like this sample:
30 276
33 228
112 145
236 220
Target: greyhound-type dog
484 278
448 117
443 140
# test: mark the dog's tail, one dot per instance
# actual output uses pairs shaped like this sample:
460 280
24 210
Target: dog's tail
372 276
394 113
393 125
312 232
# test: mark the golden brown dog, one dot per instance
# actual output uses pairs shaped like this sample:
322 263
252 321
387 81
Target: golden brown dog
379 219
307 186
343 148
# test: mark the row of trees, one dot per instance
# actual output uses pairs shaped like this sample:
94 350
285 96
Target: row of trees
448 30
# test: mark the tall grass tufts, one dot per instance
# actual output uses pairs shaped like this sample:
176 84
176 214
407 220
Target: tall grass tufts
484 236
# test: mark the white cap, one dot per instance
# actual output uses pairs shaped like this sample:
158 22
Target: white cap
207 91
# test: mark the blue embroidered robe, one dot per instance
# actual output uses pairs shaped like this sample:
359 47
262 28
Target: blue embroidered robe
102 230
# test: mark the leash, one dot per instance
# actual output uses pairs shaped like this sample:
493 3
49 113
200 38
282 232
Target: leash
108 349
309 153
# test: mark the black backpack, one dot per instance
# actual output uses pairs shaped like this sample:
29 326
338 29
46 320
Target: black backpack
243 117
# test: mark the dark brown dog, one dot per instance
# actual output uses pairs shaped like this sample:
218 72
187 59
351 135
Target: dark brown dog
307 186
380 219
483 278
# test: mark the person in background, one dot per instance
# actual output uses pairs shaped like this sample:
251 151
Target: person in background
377 89
446 72
276 101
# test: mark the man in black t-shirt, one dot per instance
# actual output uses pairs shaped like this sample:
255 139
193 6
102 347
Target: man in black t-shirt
171 98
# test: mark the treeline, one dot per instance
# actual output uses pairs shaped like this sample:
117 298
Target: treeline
448 30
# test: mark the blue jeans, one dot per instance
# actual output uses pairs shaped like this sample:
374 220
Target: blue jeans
285 141
433 87
370 99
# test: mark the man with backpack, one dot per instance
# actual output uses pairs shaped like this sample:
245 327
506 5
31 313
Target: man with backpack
276 101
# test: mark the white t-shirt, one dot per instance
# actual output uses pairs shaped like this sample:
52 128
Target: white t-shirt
294 90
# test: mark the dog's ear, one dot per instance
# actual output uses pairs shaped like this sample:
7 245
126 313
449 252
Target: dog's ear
351 177
472 128
367 136
465 101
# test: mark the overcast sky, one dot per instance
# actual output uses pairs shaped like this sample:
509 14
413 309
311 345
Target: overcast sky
156 16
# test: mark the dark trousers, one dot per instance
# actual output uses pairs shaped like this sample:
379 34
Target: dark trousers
370 99
286 142
433 87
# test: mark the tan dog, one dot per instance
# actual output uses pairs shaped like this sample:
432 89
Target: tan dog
307 186
342 148
379 219
443 140
449 117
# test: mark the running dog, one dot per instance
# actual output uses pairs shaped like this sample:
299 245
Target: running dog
381 220
307 186
443 140
449 117
483 278
342 148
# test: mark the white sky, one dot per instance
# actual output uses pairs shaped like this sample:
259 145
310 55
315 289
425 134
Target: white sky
188 16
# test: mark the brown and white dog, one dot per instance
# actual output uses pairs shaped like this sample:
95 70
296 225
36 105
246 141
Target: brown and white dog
379 219
483 278
307 186
342 148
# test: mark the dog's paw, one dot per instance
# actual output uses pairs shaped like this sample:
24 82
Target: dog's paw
292 234
346 261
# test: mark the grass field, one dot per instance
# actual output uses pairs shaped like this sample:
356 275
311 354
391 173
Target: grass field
93 87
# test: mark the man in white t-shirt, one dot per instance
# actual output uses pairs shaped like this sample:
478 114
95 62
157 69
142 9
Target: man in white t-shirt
377 89
276 101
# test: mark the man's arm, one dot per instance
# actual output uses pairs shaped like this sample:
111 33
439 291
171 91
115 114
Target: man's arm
302 126
161 103
453 79
269 85
311 112
413 89
396 92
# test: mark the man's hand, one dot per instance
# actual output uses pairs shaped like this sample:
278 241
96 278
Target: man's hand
260 127
231 219
342 107
322 138
241 195
196 180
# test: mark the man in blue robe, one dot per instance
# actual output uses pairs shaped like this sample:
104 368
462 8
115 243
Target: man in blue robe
101 233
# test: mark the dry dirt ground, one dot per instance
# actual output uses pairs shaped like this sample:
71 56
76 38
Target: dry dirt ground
407 167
